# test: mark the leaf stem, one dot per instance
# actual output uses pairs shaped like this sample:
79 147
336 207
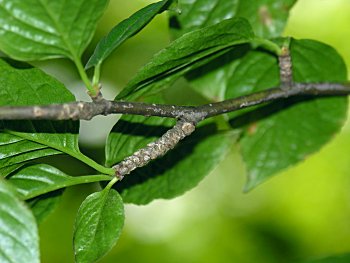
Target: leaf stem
91 89
111 183
268 44
87 110
92 163
96 77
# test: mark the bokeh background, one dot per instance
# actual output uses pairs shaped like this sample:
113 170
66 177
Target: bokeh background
302 213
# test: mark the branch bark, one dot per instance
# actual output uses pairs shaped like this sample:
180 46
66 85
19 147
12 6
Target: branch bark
187 116
194 114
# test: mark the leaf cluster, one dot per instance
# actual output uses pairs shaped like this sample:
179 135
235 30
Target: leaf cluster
224 49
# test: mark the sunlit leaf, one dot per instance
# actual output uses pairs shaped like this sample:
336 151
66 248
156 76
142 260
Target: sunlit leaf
42 29
98 225
39 179
25 140
124 30
185 52
19 241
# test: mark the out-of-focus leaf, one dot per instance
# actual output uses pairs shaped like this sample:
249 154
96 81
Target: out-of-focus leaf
332 259
178 171
42 206
98 225
39 179
286 132
186 51
267 17
124 30
19 241
42 29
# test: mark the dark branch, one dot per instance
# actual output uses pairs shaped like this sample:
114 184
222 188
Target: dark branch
194 114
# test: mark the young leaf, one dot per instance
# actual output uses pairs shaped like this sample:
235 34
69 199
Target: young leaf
276 137
124 30
19 241
267 17
178 171
98 225
187 50
25 140
42 29
40 179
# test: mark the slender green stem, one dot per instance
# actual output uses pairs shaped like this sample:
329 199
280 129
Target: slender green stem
111 183
92 91
96 77
268 44
286 43
91 163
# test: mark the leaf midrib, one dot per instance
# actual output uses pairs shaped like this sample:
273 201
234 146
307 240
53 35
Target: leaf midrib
64 36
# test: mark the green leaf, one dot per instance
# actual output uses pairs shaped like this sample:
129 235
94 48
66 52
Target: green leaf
40 179
42 29
42 206
185 52
178 171
267 17
98 225
124 30
275 135
26 140
19 241
11 164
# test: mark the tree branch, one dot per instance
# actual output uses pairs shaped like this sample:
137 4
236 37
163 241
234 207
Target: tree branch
87 110
154 149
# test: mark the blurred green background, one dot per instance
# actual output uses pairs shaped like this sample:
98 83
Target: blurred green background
302 213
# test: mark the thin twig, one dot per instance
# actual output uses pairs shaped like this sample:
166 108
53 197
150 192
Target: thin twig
154 149
188 116
285 67
87 110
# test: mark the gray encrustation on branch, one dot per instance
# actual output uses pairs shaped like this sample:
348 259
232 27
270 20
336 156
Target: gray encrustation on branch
187 116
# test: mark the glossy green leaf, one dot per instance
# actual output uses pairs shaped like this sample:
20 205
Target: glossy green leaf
186 51
98 225
11 164
124 30
267 17
42 206
276 135
26 140
19 241
178 171
42 29
40 179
